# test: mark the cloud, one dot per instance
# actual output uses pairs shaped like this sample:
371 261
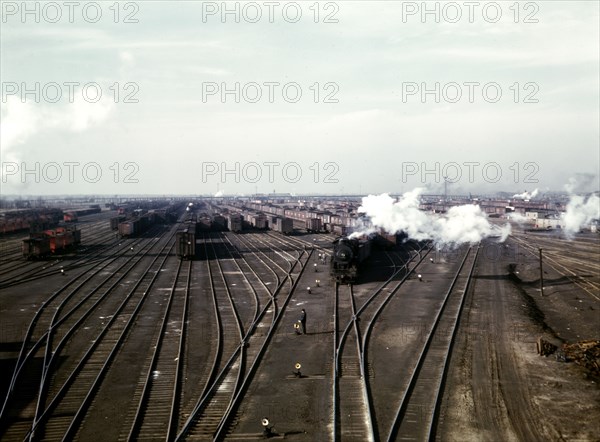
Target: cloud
20 121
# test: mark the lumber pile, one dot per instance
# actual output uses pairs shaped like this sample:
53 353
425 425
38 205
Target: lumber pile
584 353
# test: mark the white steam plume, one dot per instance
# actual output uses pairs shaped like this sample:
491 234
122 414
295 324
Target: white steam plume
219 194
461 224
580 211
526 195
580 183
518 218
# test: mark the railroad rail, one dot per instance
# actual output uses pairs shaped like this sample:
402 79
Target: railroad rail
58 318
417 414
566 265
234 368
353 414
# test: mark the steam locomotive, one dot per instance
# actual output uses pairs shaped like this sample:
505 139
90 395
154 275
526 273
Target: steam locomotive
348 254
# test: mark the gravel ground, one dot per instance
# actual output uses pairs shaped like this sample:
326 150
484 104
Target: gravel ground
498 387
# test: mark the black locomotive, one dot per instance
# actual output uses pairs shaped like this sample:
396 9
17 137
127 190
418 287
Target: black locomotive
348 254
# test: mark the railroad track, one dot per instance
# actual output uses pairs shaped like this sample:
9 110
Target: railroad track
567 266
66 411
42 269
68 301
418 411
58 319
353 415
216 409
228 364
353 412
159 400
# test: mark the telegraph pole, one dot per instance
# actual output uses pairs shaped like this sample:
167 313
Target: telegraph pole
541 274
445 189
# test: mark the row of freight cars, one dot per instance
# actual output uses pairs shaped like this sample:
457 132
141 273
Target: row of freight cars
133 226
140 220
339 223
238 222
29 219
41 219
72 215
50 242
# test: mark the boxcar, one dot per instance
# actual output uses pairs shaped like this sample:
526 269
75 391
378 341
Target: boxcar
235 223
114 222
284 225
314 225
186 243
36 248
128 228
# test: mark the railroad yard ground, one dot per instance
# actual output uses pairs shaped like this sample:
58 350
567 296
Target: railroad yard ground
357 359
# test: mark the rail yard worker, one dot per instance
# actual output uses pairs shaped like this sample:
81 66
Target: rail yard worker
303 321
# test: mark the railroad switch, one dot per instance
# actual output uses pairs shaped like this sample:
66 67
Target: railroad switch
297 373
267 430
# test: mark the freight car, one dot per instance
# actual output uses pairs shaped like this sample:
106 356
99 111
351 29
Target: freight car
186 242
348 254
257 221
234 222
283 225
50 242
136 226
219 223
115 221
34 248
17 220
70 217
314 225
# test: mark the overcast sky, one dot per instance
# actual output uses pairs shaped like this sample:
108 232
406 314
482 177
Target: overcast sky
361 125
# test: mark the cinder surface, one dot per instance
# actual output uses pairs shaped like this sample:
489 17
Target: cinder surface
497 387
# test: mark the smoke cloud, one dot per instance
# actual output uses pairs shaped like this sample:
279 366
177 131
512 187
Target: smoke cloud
518 218
580 183
580 212
460 225
526 195
219 194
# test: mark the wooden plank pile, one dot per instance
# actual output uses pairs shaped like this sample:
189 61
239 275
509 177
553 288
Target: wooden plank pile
584 353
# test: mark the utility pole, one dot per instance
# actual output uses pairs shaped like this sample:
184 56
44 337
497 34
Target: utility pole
541 274
445 189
